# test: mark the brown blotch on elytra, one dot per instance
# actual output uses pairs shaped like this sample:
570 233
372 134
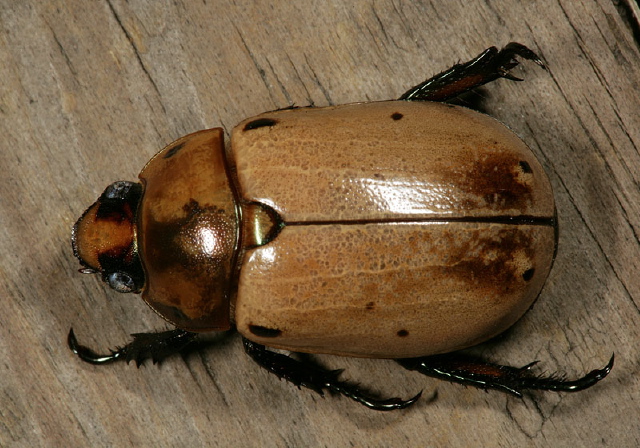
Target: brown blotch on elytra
397 116
494 269
264 332
403 333
370 306
259 123
173 151
496 182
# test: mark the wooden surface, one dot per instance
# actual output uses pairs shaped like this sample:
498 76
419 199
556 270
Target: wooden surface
89 91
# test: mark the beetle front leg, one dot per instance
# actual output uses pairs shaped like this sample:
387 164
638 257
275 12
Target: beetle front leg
472 371
490 65
155 346
316 378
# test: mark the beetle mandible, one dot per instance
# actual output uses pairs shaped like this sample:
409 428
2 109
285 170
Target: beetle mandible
404 229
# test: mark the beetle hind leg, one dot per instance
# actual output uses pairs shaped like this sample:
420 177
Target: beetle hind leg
472 371
317 379
155 346
488 66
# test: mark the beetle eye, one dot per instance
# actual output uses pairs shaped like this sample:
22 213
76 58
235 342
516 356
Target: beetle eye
120 281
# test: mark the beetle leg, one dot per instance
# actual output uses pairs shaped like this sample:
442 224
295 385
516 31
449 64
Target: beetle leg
488 66
475 372
155 346
316 378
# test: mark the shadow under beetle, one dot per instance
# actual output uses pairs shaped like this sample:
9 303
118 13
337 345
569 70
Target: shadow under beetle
404 229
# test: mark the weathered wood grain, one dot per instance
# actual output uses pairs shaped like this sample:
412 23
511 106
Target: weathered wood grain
90 90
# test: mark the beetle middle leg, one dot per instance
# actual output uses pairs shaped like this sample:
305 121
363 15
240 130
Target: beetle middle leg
488 66
473 371
317 379
155 346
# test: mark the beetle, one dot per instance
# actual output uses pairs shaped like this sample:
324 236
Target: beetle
406 229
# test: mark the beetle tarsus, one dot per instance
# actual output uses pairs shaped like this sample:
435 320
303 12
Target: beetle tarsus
488 66
475 372
354 392
155 346
88 355
317 379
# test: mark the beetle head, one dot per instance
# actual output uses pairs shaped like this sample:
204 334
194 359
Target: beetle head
104 238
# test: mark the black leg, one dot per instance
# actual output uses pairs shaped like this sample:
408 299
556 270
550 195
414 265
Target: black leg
475 372
316 378
154 346
486 67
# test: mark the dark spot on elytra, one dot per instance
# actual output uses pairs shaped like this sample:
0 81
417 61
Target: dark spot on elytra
526 168
397 116
528 274
403 333
173 151
378 176
264 332
259 123
370 306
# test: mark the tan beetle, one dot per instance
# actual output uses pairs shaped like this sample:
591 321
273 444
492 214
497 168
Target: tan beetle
402 229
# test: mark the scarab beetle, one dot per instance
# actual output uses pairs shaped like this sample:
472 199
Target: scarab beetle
404 229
